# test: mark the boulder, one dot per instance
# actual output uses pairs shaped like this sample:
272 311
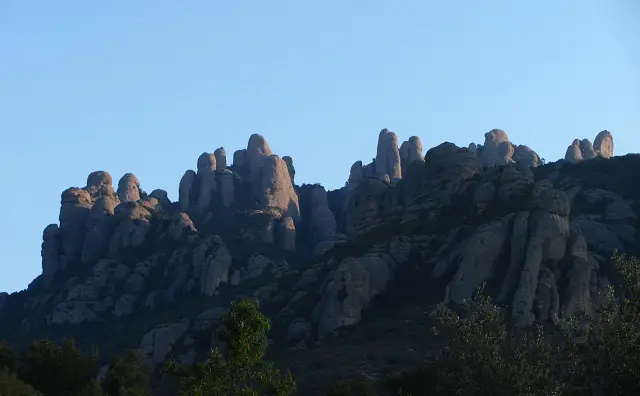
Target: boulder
604 144
99 229
573 154
156 344
410 152
525 156
129 188
490 155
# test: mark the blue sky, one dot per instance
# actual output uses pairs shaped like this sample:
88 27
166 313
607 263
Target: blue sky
146 86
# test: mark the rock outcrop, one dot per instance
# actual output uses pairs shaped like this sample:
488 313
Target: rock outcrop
388 163
410 152
221 158
129 188
405 234
583 149
525 156
604 144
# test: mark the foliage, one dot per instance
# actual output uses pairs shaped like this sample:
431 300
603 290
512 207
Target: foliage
351 387
11 385
603 352
242 370
58 370
482 357
127 376
7 358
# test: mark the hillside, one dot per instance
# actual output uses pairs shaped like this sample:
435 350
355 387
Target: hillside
348 277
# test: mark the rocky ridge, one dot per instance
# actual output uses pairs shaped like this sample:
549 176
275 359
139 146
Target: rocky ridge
539 236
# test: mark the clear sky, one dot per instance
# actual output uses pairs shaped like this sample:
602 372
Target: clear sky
146 86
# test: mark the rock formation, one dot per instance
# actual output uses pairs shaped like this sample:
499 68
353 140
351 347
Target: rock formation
129 188
604 144
184 190
584 150
221 158
410 152
404 230
388 167
292 170
525 156
492 153
206 178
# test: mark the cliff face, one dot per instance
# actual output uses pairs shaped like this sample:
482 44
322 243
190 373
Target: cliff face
128 269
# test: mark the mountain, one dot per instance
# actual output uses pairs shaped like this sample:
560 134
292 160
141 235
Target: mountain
348 277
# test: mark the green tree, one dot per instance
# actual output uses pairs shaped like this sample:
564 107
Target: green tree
59 370
603 352
127 376
242 370
483 357
11 385
7 358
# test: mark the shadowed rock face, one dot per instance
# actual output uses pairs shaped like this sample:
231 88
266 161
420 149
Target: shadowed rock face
573 154
410 152
583 149
292 170
525 156
318 261
388 167
206 177
491 156
99 178
221 158
184 190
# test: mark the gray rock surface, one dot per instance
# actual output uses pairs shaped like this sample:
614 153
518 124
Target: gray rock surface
410 152
99 228
525 156
587 150
388 166
604 144
292 170
274 187
50 252
490 155
129 188
227 187
240 158
356 175
573 154
74 212
221 158
184 190
206 178
156 344
287 234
